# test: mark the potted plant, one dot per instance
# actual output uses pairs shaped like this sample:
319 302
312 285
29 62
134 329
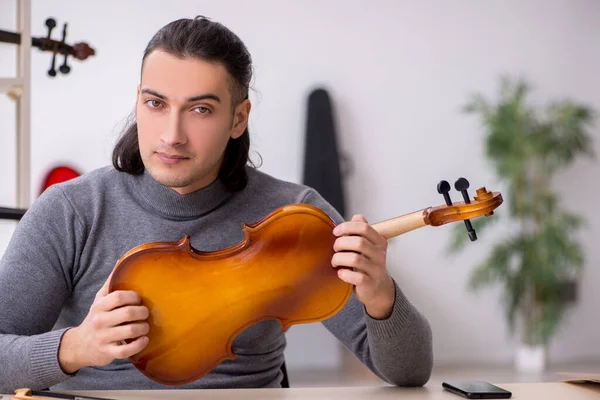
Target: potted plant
541 256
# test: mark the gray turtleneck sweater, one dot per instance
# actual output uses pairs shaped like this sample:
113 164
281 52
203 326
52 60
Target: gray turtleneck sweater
68 242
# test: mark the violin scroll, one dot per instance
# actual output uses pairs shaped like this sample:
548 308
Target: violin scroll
80 51
483 204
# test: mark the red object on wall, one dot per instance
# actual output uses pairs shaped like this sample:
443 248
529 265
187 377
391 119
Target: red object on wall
59 174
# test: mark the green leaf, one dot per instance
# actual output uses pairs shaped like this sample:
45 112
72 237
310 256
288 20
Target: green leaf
526 147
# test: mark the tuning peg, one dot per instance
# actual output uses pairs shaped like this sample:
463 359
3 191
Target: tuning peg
64 33
462 185
52 70
50 24
443 188
64 68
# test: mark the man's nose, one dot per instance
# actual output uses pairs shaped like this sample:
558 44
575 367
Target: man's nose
173 133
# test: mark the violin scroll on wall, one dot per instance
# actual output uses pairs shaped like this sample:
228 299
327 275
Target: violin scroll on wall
81 51
200 301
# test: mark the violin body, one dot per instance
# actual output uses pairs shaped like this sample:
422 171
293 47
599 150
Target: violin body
200 301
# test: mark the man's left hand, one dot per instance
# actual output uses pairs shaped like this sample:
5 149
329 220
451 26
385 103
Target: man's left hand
360 254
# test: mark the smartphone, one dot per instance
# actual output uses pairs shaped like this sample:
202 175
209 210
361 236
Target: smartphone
477 390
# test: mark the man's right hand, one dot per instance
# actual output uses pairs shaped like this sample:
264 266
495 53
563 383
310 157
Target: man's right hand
113 317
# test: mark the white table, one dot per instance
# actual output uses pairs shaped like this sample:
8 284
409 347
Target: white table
533 391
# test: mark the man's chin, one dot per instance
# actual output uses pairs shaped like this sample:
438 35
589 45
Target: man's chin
170 179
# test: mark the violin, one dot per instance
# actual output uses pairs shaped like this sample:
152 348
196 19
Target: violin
80 51
200 301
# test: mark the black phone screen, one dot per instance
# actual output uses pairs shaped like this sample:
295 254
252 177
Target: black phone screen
477 390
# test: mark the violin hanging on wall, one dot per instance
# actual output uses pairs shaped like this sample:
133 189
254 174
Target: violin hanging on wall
200 301
80 51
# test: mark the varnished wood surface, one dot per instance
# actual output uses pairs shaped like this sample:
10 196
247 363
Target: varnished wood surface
521 391
268 276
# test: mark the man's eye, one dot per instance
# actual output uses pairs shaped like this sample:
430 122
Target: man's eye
153 103
202 110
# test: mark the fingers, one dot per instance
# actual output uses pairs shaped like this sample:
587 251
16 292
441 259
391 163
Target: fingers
355 278
112 319
360 245
356 262
359 218
358 236
360 249
125 314
360 227
107 321
125 350
130 331
118 299
119 324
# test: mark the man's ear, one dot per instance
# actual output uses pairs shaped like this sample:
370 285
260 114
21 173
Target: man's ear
240 118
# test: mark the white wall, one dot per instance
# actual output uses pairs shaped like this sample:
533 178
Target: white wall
398 73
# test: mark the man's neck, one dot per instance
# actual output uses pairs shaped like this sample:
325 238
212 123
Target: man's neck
173 204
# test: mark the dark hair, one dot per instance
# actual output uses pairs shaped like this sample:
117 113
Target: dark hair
210 41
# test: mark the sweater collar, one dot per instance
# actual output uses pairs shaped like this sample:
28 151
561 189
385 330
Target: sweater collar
167 202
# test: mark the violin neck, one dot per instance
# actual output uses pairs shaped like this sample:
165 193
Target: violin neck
400 225
10 37
15 38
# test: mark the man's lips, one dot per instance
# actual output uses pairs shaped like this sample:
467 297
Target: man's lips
170 158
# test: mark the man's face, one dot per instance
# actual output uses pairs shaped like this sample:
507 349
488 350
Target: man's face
184 119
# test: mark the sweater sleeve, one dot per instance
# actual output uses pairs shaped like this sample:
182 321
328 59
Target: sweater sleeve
399 349
35 281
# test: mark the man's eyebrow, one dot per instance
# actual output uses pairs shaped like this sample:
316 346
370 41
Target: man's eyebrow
189 100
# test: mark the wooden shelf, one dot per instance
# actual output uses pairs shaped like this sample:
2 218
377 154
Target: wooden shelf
18 89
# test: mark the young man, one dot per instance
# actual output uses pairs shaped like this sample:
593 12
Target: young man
181 168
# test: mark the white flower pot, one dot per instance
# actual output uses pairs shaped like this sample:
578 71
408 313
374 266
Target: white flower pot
530 359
